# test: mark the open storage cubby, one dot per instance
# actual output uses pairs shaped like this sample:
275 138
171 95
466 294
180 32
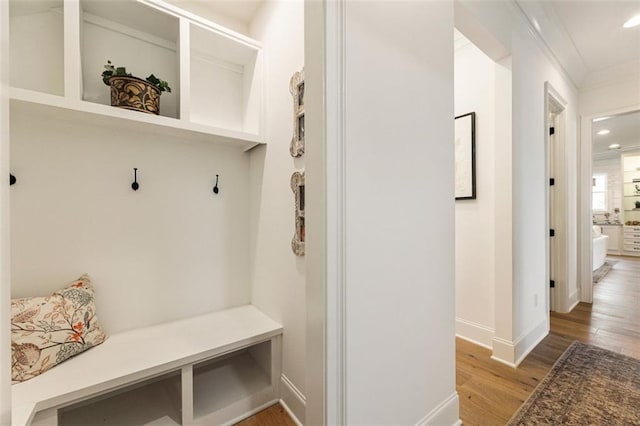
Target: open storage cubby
228 386
133 35
59 49
37 45
224 81
155 401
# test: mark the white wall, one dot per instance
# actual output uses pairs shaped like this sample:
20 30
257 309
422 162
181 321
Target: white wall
277 275
475 88
531 69
521 303
42 33
172 249
386 170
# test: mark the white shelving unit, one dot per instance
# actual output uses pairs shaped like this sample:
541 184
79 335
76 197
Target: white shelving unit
631 196
58 49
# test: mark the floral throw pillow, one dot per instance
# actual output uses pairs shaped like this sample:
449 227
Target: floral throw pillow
46 331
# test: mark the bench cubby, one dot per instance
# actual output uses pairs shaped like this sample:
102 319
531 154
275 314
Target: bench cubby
213 369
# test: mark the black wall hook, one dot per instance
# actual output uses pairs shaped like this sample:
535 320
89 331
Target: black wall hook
135 185
215 188
12 179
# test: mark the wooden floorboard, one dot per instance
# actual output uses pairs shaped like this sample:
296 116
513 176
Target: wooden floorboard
272 416
491 392
611 322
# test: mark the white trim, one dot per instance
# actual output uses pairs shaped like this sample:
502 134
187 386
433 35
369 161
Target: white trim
575 301
5 261
294 390
72 56
502 361
296 400
528 341
513 353
474 332
542 43
184 50
198 20
335 320
556 105
503 351
446 413
290 413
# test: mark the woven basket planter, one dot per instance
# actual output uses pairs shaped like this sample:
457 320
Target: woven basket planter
134 93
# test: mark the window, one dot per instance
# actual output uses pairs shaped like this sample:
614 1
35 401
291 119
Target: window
599 199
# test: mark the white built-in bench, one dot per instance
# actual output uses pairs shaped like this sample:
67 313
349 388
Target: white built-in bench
212 369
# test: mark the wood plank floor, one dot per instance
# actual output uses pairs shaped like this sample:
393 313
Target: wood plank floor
272 416
490 392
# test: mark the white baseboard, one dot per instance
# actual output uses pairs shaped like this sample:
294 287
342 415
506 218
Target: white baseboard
474 332
290 413
573 300
512 353
447 413
530 340
503 351
293 401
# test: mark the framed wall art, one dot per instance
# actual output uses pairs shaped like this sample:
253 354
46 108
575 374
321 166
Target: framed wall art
296 87
297 186
465 156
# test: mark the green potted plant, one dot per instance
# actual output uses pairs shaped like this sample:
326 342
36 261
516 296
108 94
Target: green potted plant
134 93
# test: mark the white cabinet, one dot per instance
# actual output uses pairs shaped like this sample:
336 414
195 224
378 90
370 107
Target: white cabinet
631 240
58 50
614 232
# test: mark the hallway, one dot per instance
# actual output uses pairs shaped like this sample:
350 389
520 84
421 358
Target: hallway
490 393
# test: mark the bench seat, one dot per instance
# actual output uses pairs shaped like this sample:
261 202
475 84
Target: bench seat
137 355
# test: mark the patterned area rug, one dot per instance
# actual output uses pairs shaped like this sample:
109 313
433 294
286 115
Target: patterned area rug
586 386
600 273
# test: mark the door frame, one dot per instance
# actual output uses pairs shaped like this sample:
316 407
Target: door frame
5 275
585 222
556 106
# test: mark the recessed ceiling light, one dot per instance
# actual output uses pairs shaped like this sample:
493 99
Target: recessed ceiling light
614 146
603 132
595 120
633 22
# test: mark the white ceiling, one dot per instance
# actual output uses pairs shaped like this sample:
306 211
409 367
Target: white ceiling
597 32
624 130
588 37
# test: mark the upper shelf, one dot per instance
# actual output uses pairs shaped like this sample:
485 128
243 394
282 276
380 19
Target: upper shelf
215 74
64 108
